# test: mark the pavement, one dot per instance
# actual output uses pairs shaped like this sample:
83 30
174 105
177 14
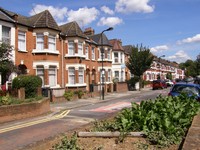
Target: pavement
60 106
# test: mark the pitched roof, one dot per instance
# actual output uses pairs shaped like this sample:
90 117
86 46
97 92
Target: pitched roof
40 20
117 45
6 15
72 29
97 39
43 20
128 49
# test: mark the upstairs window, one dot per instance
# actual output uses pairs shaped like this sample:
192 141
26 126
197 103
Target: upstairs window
71 48
108 55
22 41
116 57
93 53
80 48
87 52
6 34
40 42
52 42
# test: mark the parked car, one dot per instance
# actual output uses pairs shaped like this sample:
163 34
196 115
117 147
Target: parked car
169 82
159 84
189 88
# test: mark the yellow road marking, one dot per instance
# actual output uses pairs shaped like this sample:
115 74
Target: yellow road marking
59 116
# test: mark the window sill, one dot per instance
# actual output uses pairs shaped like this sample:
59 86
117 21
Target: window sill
45 51
109 60
23 51
75 55
75 85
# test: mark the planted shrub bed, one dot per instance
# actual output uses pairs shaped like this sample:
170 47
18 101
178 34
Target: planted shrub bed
164 121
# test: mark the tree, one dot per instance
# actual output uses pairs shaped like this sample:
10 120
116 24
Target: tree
197 63
6 64
139 61
190 68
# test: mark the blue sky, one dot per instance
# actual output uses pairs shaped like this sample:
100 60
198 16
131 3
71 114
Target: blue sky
167 27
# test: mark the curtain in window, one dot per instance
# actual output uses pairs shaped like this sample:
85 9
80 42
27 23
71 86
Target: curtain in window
71 48
40 42
71 76
6 34
80 48
52 76
52 43
22 41
40 73
81 75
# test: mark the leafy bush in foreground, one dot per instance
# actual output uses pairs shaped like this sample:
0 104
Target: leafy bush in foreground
164 120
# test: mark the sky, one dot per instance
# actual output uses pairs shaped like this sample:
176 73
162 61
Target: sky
167 27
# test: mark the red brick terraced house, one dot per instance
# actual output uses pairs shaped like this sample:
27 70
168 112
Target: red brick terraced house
67 58
63 56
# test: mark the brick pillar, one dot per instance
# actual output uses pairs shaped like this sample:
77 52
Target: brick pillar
21 93
46 79
46 46
76 76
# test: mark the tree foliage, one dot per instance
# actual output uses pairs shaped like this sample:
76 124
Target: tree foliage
139 61
6 64
192 68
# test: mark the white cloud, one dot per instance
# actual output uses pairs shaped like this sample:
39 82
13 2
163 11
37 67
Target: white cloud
110 21
58 13
193 39
131 6
179 57
107 10
159 48
83 16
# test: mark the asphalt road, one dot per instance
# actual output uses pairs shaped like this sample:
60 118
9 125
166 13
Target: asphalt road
20 134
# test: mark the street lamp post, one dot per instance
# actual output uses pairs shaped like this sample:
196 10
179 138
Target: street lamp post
102 70
160 65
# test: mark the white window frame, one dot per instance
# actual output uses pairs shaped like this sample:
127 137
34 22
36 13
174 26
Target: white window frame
40 41
21 40
108 55
52 73
71 50
80 48
93 53
52 43
87 52
81 75
71 76
6 36
117 73
116 58
40 73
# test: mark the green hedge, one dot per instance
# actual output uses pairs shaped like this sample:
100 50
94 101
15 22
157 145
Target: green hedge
29 82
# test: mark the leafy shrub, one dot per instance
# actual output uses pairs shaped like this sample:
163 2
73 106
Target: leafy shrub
68 95
131 83
29 82
67 144
5 100
2 93
164 120
80 93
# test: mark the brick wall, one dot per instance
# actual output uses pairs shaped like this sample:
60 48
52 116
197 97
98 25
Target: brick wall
121 87
22 111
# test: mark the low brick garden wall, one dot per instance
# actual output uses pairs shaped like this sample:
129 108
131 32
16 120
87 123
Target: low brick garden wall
22 111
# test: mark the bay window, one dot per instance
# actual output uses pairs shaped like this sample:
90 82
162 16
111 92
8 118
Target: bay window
52 76
40 42
52 42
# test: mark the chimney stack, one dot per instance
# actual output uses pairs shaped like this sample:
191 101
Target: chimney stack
89 31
